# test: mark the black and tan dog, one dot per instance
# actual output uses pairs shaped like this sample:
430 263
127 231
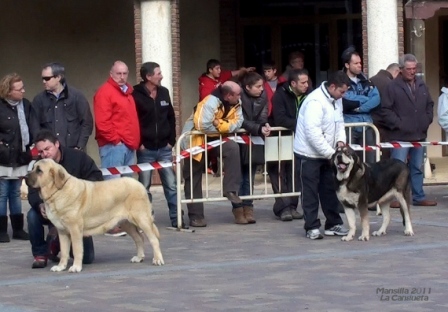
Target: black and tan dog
361 185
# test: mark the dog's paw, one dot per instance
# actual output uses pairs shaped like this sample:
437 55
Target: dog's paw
57 268
75 269
408 233
364 238
379 233
137 259
347 238
158 261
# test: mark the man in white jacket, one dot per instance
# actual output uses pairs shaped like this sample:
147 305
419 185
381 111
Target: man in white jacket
442 110
320 129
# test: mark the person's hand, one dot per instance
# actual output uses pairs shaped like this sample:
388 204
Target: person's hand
142 147
215 122
340 144
266 130
43 210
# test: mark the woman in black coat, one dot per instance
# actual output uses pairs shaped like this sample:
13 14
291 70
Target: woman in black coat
254 103
14 153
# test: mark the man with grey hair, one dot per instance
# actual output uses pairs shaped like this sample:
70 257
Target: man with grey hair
407 112
62 109
381 80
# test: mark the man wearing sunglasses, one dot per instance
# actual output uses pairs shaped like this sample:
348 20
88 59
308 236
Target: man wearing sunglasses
62 109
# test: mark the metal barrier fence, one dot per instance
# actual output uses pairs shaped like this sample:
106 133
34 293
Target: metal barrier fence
277 149
364 126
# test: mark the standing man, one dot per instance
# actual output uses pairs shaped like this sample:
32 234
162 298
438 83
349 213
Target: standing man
219 112
296 60
320 129
157 132
62 109
407 112
116 122
286 103
79 165
381 80
215 76
359 100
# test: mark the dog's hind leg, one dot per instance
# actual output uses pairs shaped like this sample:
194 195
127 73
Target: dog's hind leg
131 229
146 223
365 226
405 212
64 241
386 220
351 219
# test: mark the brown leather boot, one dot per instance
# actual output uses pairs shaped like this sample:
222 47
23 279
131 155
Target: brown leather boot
239 216
249 214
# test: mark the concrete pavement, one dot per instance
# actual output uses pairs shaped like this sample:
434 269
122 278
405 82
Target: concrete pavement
268 266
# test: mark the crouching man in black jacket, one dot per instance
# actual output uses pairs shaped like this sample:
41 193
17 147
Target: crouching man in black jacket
78 164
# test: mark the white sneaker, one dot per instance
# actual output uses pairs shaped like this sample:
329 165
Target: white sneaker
314 234
338 230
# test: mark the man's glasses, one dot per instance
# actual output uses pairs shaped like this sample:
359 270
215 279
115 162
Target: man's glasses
47 78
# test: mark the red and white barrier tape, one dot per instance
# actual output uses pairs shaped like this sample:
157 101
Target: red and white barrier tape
243 139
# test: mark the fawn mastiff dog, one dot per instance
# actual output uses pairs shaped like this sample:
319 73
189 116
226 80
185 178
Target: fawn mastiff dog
360 185
80 208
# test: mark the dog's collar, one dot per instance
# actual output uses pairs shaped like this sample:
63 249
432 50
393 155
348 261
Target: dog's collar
57 190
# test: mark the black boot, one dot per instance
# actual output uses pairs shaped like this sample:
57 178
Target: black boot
17 227
4 237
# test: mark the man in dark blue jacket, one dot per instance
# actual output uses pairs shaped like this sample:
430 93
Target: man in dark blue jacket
359 100
157 132
78 164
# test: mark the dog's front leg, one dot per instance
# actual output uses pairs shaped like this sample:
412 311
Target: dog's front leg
365 226
78 250
351 219
64 241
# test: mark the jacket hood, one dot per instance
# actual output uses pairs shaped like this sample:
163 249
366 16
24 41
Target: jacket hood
444 90
140 88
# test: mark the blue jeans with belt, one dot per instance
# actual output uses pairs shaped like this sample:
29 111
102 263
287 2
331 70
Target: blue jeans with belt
167 176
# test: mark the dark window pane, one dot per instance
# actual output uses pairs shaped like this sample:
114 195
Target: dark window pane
257 46
350 34
287 8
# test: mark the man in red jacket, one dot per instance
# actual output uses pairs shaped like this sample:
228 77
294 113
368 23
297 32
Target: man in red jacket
214 77
116 122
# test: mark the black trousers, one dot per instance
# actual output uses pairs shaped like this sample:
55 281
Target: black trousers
318 183
281 182
231 180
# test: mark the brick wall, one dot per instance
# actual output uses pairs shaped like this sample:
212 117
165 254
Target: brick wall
228 34
400 25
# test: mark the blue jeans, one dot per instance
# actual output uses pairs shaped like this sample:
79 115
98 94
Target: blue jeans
10 192
39 246
415 165
115 156
166 175
245 186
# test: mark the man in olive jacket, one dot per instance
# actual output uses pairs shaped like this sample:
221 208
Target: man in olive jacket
407 111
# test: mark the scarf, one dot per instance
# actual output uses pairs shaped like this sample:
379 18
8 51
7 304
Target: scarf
24 131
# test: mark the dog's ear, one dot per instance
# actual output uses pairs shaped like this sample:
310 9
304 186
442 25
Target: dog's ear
58 177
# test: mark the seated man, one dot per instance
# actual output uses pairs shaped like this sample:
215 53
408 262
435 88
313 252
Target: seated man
78 164
219 112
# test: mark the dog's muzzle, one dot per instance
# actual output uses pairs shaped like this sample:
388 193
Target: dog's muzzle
340 164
